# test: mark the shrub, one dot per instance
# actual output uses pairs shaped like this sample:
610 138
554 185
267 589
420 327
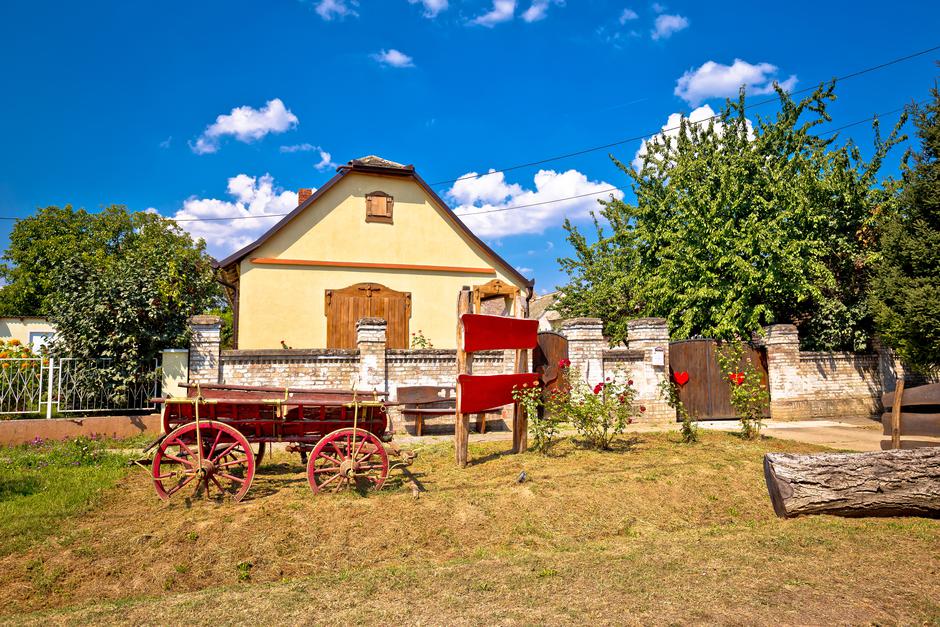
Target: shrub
599 414
749 396
543 425
689 428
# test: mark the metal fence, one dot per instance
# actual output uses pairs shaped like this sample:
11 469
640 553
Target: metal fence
69 385
21 385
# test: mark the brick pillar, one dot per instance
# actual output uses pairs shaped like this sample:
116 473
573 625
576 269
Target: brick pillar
586 345
651 337
205 342
370 339
783 370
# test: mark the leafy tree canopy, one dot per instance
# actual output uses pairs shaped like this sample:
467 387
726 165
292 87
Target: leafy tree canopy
906 286
115 284
738 226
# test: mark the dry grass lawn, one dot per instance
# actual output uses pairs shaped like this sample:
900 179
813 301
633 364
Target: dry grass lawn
656 532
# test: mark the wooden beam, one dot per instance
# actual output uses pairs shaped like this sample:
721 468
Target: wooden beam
896 414
377 266
464 366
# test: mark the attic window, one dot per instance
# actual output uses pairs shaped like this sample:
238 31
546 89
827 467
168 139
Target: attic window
379 207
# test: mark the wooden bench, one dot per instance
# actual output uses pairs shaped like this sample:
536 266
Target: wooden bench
420 401
913 412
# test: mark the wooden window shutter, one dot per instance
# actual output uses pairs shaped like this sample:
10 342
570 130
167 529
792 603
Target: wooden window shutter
379 207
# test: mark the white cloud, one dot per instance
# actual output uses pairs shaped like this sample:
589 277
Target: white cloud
491 191
671 129
332 9
666 25
502 11
714 80
326 161
658 8
431 7
393 58
166 142
537 11
627 15
523 270
246 125
251 196
299 148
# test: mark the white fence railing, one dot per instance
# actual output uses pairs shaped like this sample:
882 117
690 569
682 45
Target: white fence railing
69 385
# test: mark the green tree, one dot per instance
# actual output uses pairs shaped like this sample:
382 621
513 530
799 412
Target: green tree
116 284
737 226
905 294
44 245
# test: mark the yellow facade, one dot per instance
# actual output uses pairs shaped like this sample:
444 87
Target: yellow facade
287 302
28 330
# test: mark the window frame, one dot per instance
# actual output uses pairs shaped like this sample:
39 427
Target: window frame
385 218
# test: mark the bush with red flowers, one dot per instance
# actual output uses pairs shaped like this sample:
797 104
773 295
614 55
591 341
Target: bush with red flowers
599 413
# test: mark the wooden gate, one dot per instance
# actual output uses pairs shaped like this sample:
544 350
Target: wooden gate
345 307
706 393
552 347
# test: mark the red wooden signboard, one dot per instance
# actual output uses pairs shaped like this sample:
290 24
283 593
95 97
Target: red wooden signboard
482 332
479 393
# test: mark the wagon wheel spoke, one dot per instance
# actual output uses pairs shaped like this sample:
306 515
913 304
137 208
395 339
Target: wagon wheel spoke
216 482
240 460
179 486
329 457
227 451
218 436
181 460
231 477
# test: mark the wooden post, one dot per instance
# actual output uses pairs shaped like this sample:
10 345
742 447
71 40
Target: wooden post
896 414
520 420
464 366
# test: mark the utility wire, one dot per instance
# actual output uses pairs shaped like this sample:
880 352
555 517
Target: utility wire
674 128
602 147
533 204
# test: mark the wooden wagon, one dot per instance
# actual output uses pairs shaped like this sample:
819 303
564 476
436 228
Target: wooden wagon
215 437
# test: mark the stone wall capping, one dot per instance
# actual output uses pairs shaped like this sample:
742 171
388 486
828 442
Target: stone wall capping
205 320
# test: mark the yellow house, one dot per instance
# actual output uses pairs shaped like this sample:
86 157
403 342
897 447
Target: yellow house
374 241
32 330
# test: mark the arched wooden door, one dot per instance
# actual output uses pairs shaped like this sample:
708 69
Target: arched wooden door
345 307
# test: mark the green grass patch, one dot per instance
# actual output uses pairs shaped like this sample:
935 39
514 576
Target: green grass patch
43 483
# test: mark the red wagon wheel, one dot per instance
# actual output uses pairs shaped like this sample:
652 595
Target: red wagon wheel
347 457
227 467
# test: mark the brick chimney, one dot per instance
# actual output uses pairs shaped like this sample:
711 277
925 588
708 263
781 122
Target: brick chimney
303 194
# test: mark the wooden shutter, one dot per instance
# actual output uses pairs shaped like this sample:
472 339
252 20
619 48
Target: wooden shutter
345 307
379 207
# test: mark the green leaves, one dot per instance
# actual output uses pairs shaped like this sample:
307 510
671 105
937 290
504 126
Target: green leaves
905 294
736 227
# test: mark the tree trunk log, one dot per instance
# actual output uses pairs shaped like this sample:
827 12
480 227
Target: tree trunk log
885 483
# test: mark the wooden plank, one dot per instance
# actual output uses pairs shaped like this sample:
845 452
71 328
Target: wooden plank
376 266
896 414
479 393
920 395
912 424
464 367
483 332
520 420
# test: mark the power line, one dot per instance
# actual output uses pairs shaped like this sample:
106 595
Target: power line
534 204
674 128
602 147
615 189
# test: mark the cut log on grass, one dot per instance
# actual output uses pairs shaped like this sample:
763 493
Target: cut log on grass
885 483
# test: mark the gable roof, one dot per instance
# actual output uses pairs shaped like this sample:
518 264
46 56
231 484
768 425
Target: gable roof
372 164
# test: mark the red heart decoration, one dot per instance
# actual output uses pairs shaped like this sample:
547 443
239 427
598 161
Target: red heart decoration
736 377
681 378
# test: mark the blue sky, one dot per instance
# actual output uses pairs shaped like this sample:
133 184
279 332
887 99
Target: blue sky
200 109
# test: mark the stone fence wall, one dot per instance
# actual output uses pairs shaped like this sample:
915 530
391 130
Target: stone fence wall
803 385
824 385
